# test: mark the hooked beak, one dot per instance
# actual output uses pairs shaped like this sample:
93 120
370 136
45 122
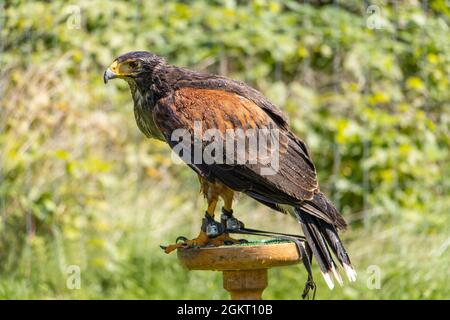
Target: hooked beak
109 74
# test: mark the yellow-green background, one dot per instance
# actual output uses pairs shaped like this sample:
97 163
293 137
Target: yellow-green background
80 185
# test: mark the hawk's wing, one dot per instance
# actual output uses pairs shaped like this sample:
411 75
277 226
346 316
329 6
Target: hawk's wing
193 79
295 179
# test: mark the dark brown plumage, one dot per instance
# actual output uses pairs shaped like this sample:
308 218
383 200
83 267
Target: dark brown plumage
167 98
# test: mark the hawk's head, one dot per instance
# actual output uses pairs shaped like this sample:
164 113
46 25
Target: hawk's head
132 65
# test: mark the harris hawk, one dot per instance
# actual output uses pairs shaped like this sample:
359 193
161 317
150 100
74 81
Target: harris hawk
168 98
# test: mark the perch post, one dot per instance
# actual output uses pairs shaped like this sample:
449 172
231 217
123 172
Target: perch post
244 267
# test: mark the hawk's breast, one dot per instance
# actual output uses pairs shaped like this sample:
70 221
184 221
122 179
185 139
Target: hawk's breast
143 107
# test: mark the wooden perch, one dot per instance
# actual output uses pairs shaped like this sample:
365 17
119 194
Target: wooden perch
244 267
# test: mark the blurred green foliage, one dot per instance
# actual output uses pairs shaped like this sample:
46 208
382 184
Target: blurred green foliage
81 186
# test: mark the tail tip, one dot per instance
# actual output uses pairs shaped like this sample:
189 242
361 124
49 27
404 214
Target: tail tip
337 276
328 280
350 272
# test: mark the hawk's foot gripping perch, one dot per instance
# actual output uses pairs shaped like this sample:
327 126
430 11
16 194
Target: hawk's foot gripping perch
212 234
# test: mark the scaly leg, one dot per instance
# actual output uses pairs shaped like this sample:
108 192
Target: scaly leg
212 232
227 219
210 229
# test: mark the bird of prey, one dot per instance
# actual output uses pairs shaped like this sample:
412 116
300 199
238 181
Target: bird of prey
168 98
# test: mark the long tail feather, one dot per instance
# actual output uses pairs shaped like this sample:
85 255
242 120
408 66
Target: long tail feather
321 236
339 251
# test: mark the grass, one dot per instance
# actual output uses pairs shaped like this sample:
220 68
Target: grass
127 263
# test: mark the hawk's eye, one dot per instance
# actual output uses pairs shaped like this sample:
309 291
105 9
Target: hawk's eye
133 64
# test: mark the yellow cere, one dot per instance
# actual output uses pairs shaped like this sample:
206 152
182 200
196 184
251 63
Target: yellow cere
120 69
